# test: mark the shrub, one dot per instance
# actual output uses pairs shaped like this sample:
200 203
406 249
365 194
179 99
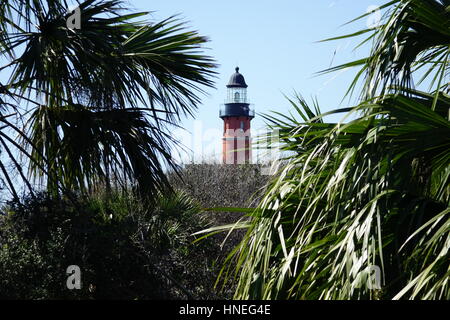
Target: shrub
124 250
222 186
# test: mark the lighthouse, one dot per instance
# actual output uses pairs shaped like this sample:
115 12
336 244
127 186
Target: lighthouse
236 114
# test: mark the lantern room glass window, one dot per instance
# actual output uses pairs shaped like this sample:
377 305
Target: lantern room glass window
237 95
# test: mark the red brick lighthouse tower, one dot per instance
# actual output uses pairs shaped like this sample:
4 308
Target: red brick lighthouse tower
236 114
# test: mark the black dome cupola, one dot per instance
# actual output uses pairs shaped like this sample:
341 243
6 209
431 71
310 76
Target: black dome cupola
237 80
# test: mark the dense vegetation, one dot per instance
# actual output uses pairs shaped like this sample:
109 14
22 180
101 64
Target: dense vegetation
369 193
124 250
227 187
86 111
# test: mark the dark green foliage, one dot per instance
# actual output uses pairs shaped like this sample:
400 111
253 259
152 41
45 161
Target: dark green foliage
123 250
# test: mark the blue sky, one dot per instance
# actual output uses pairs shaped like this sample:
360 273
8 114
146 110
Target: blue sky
275 45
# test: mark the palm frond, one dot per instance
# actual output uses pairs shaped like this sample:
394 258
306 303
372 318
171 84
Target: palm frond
414 34
354 196
118 69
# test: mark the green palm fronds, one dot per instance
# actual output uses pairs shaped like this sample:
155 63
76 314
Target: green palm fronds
98 101
361 209
348 200
414 35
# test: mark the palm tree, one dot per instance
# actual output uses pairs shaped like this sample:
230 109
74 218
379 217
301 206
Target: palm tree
94 104
367 195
